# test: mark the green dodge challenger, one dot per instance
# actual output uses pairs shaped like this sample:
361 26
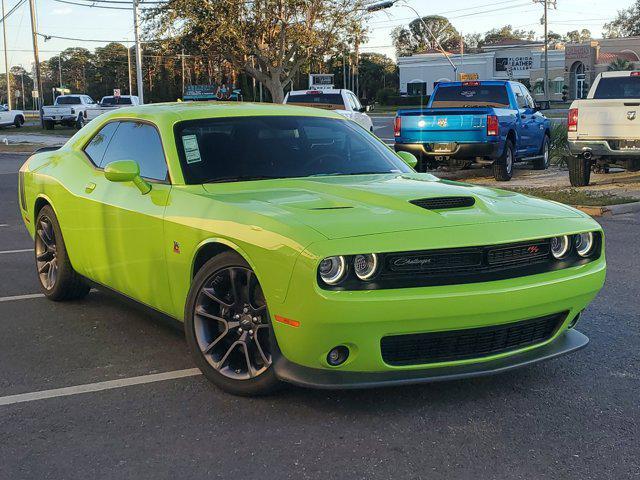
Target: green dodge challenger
298 247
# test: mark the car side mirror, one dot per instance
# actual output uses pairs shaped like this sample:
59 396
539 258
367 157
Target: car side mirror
126 171
368 108
408 158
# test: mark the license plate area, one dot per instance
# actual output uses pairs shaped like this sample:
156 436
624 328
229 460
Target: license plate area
444 147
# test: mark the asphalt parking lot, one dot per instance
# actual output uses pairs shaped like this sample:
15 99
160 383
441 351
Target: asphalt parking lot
577 417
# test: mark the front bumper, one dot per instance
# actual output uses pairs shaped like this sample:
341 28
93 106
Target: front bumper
467 151
568 342
360 319
600 148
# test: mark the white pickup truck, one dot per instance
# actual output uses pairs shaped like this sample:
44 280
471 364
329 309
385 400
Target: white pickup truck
342 101
11 117
604 128
68 110
109 103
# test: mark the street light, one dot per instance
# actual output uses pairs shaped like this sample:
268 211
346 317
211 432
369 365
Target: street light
375 7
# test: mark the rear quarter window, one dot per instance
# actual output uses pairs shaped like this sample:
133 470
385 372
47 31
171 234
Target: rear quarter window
457 96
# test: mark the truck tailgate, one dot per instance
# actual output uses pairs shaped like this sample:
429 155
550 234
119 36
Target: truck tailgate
600 119
443 125
55 110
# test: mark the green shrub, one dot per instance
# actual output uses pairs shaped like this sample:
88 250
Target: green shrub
559 147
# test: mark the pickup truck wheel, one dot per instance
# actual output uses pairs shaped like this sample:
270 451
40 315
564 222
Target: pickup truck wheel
579 171
543 162
632 165
503 166
48 125
80 122
18 121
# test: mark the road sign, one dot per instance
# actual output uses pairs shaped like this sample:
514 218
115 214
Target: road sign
116 92
34 94
468 77
17 93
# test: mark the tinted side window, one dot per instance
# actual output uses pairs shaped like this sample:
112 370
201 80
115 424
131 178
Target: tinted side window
97 146
139 142
520 98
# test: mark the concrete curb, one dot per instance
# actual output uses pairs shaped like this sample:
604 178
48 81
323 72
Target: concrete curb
610 209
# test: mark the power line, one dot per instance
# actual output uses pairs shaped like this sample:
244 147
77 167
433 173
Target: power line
15 7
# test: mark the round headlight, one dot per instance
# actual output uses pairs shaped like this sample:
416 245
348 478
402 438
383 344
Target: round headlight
332 269
584 243
559 246
365 266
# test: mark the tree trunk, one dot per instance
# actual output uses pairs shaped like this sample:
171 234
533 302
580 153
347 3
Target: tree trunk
276 88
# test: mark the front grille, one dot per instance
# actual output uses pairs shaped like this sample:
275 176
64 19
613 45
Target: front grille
433 347
441 203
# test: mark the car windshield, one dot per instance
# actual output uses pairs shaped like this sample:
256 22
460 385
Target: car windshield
457 96
252 148
319 99
110 101
618 88
68 101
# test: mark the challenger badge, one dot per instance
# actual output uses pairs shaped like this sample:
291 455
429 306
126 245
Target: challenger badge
631 115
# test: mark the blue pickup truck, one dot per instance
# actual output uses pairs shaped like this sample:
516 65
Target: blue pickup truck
487 122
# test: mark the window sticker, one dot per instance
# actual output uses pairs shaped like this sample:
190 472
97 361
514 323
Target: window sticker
468 93
191 150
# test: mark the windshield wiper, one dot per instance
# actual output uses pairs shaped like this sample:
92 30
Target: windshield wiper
240 178
333 174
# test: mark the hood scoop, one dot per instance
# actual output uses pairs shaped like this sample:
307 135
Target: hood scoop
443 203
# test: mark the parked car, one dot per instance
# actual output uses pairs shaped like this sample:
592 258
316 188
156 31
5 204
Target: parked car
11 117
67 110
298 247
109 103
342 101
604 128
486 122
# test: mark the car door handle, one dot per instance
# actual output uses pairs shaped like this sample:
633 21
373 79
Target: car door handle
523 116
89 187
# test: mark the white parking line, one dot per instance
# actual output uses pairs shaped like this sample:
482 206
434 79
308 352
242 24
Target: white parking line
96 387
21 297
16 251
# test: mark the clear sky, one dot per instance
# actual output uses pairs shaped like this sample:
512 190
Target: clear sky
468 16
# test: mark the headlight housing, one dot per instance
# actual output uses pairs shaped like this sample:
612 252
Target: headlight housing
584 243
365 266
332 269
560 246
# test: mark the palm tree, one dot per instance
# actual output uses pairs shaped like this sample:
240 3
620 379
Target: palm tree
620 64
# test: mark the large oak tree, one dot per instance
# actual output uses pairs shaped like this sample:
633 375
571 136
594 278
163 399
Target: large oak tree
268 40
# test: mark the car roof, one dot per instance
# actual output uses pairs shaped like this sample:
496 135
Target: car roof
179 111
620 73
481 82
321 90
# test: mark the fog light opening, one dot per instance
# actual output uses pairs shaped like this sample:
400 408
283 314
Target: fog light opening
337 355
575 320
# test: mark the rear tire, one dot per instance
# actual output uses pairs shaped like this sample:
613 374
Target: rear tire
18 121
49 125
503 166
80 122
579 171
58 280
228 328
543 163
632 165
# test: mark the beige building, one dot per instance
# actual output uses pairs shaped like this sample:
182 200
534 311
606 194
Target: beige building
582 62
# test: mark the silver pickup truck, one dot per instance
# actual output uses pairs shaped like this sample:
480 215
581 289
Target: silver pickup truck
68 110
604 128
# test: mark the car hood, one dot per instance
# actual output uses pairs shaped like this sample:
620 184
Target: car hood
346 206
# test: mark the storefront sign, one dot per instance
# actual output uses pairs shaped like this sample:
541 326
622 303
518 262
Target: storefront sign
467 77
515 64
320 81
577 52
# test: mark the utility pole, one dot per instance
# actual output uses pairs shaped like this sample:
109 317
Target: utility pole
22 82
344 71
182 58
6 61
36 55
136 27
129 68
546 45
60 70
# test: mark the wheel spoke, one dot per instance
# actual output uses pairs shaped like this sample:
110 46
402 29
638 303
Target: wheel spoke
265 360
216 341
224 358
234 279
212 295
250 368
46 267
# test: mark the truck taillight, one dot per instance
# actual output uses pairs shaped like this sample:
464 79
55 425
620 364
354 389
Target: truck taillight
635 74
470 84
492 126
397 126
572 120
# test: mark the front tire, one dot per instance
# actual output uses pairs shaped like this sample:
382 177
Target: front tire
543 163
579 171
80 122
503 166
18 122
228 328
58 280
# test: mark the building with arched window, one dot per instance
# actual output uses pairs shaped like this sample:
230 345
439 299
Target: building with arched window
572 67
